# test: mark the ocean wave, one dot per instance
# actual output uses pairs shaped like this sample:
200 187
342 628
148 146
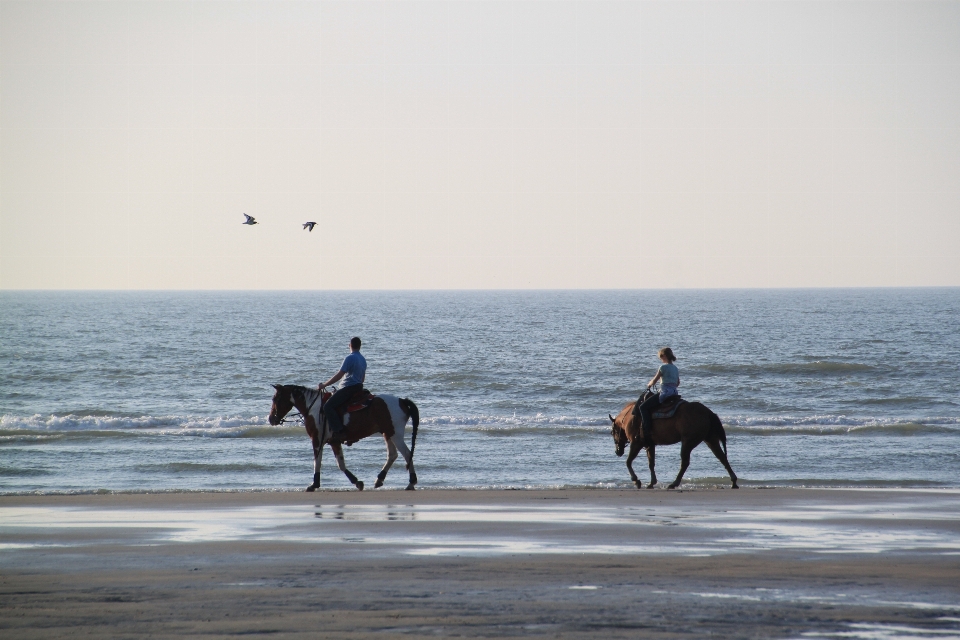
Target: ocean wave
39 428
839 425
785 368
19 472
486 421
900 429
201 467
98 421
750 425
825 483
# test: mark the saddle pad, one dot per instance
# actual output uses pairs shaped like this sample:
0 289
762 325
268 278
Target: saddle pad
358 406
360 401
667 411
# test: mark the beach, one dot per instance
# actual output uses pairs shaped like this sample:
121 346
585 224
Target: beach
143 492
753 563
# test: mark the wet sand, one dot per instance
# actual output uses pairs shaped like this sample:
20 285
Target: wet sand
754 563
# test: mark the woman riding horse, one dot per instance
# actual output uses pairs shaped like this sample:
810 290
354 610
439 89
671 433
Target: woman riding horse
669 376
690 424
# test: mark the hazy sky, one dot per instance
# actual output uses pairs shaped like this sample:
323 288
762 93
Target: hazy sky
479 144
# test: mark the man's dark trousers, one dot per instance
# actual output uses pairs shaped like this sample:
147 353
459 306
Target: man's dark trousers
337 400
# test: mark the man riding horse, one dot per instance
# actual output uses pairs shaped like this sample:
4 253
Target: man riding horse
353 371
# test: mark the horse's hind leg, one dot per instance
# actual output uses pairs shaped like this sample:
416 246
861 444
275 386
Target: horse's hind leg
338 451
722 457
408 458
391 457
685 448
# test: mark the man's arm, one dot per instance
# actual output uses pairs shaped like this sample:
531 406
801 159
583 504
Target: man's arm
332 380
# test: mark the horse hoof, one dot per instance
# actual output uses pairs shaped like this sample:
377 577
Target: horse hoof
673 486
378 484
310 488
638 484
410 487
651 485
360 485
736 486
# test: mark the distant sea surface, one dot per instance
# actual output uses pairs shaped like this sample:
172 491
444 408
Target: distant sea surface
169 391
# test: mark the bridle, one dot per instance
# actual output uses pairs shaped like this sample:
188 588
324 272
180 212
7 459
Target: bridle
297 418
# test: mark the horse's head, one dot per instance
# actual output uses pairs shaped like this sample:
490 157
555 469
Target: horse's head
282 403
619 436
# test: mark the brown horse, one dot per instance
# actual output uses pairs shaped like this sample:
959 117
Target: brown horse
692 424
386 415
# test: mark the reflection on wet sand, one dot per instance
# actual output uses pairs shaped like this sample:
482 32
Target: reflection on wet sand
914 522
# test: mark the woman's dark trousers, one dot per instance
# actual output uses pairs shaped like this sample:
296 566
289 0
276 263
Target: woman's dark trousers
645 408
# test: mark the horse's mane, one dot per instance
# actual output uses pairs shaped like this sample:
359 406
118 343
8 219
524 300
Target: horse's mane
297 387
302 390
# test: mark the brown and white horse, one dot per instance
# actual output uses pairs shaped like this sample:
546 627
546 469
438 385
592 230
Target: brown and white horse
386 415
692 424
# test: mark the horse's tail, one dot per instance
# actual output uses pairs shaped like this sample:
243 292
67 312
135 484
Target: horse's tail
414 413
716 429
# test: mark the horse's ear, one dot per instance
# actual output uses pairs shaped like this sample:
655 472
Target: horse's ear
612 419
277 387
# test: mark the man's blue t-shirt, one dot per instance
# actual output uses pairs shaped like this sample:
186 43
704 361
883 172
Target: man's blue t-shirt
355 368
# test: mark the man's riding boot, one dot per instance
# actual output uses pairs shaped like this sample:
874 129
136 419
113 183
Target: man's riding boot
336 425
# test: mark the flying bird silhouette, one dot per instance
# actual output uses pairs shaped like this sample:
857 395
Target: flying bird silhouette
250 219
309 225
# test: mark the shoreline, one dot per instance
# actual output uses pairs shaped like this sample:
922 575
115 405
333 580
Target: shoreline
624 487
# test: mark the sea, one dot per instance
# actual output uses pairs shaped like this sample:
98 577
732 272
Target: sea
169 391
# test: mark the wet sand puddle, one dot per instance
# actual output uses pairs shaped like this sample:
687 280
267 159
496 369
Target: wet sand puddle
942 622
914 525
870 631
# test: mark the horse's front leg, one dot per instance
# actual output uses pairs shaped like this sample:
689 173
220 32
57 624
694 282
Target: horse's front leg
338 452
686 447
631 456
652 462
391 457
317 461
311 426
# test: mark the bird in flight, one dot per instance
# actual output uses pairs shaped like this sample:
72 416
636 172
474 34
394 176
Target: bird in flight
249 219
309 225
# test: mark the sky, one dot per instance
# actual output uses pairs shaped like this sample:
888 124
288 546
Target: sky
479 145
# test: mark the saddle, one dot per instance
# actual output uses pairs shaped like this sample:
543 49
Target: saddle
361 400
668 408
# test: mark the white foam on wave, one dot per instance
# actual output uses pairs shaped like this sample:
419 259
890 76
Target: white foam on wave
516 420
18 427
69 422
